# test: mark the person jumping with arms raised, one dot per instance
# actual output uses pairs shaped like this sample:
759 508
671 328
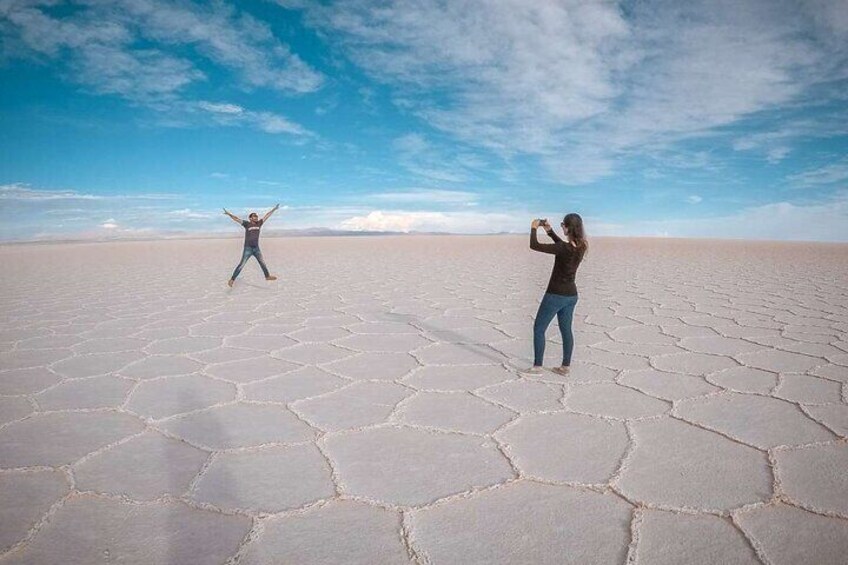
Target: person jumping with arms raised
251 242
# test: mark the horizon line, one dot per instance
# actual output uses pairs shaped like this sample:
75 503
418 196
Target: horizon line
329 232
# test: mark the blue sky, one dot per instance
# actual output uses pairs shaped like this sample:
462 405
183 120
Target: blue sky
703 118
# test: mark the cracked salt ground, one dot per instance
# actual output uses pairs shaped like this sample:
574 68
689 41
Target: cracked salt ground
160 417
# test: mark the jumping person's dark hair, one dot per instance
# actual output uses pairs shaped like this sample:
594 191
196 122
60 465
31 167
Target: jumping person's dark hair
574 226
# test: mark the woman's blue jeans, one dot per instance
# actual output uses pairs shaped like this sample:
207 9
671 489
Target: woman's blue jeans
563 308
248 252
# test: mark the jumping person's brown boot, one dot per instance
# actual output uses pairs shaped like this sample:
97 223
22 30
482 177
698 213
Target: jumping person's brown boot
230 283
270 278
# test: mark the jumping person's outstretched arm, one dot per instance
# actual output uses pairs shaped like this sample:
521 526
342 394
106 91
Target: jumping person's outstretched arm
542 247
271 211
233 217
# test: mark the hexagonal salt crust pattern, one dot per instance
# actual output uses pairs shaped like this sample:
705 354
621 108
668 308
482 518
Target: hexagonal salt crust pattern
354 413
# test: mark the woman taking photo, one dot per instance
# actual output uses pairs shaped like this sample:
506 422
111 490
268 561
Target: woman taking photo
561 295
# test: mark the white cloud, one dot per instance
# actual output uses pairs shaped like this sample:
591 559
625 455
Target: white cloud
274 123
823 220
447 222
220 108
101 56
20 191
776 143
143 51
229 114
820 221
230 38
694 199
148 196
141 75
190 214
423 158
65 212
36 210
427 196
581 83
580 166
828 174
777 154
101 36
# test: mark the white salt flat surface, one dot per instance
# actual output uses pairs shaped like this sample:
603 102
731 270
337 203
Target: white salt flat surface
369 406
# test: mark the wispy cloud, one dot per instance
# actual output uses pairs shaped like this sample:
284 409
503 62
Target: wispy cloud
189 214
24 193
829 174
420 156
102 35
220 107
229 114
145 51
427 196
448 222
777 154
230 38
34 211
823 219
776 142
582 84
70 212
20 191
826 220
100 51
275 123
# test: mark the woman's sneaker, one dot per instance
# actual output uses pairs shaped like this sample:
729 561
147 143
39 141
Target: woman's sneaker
535 370
562 370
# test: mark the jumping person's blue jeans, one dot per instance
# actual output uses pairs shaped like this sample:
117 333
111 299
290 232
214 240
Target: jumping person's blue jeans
563 308
248 253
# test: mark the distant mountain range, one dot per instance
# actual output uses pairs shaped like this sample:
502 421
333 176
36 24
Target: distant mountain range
269 233
316 232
